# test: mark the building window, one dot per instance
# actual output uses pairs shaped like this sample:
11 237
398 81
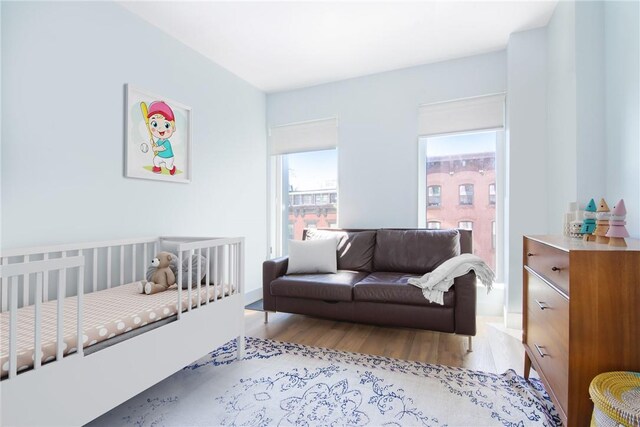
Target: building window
433 225
465 225
322 199
433 195
492 194
466 194
493 234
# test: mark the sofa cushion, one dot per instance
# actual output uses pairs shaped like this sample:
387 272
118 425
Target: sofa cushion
355 248
326 287
414 251
391 287
317 256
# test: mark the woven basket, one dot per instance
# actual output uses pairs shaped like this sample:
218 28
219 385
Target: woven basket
616 399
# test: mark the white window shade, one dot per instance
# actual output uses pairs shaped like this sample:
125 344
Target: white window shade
305 136
464 115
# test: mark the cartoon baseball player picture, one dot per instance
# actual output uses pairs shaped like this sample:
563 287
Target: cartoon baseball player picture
161 125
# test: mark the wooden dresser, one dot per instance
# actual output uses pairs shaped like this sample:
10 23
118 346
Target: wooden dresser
581 310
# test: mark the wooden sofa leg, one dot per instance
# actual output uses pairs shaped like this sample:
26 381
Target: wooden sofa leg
470 343
266 317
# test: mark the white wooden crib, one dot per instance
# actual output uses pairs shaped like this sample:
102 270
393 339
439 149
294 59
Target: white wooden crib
55 289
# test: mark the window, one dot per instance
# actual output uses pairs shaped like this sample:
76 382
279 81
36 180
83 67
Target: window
465 225
306 183
466 194
453 167
433 225
461 148
492 194
433 199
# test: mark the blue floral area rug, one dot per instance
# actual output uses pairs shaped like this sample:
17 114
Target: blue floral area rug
290 384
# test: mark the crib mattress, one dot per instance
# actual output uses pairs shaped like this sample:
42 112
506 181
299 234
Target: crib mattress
106 314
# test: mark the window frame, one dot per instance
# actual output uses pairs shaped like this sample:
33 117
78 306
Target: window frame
460 195
465 222
439 196
492 202
434 222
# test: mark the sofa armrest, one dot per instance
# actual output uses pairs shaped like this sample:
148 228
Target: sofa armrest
271 270
465 310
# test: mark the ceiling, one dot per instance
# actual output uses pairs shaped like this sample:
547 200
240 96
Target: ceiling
279 46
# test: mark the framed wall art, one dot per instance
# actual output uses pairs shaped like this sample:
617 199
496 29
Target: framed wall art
158 137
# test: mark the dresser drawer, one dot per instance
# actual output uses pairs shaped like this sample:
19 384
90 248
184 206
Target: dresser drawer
549 262
547 334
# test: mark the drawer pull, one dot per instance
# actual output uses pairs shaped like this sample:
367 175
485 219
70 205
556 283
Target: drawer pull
542 305
530 254
540 351
555 269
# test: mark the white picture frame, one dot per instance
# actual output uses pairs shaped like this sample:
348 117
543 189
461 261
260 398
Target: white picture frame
157 147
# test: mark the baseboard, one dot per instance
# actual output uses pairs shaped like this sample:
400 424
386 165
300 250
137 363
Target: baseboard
513 320
252 296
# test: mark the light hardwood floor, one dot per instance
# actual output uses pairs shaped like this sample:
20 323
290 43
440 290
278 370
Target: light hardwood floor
495 349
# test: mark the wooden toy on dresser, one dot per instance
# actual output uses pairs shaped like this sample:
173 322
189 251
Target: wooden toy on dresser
617 230
573 221
589 223
602 222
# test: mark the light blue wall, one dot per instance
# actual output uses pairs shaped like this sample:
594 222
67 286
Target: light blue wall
526 201
378 130
622 88
590 102
593 132
561 142
64 66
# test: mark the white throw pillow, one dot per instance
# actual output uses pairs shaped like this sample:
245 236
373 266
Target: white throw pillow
313 256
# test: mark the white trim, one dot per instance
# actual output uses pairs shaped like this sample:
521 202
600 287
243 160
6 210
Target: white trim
253 295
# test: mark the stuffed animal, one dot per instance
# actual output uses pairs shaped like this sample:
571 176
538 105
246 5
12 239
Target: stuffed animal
162 278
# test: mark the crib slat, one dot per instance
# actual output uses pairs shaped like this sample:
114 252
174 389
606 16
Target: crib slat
241 281
208 275
216 280
80 296
121 265
37 358
25 284
62 285
232 267
144 261
179 306
45 282
237 282
94 269
198 270
133 261
189 277
225 269
13 329
63 274
109 267
5 288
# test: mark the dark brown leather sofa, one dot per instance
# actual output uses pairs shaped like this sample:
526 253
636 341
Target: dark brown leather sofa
371 283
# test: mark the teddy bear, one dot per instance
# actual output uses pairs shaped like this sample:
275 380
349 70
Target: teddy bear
162 278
